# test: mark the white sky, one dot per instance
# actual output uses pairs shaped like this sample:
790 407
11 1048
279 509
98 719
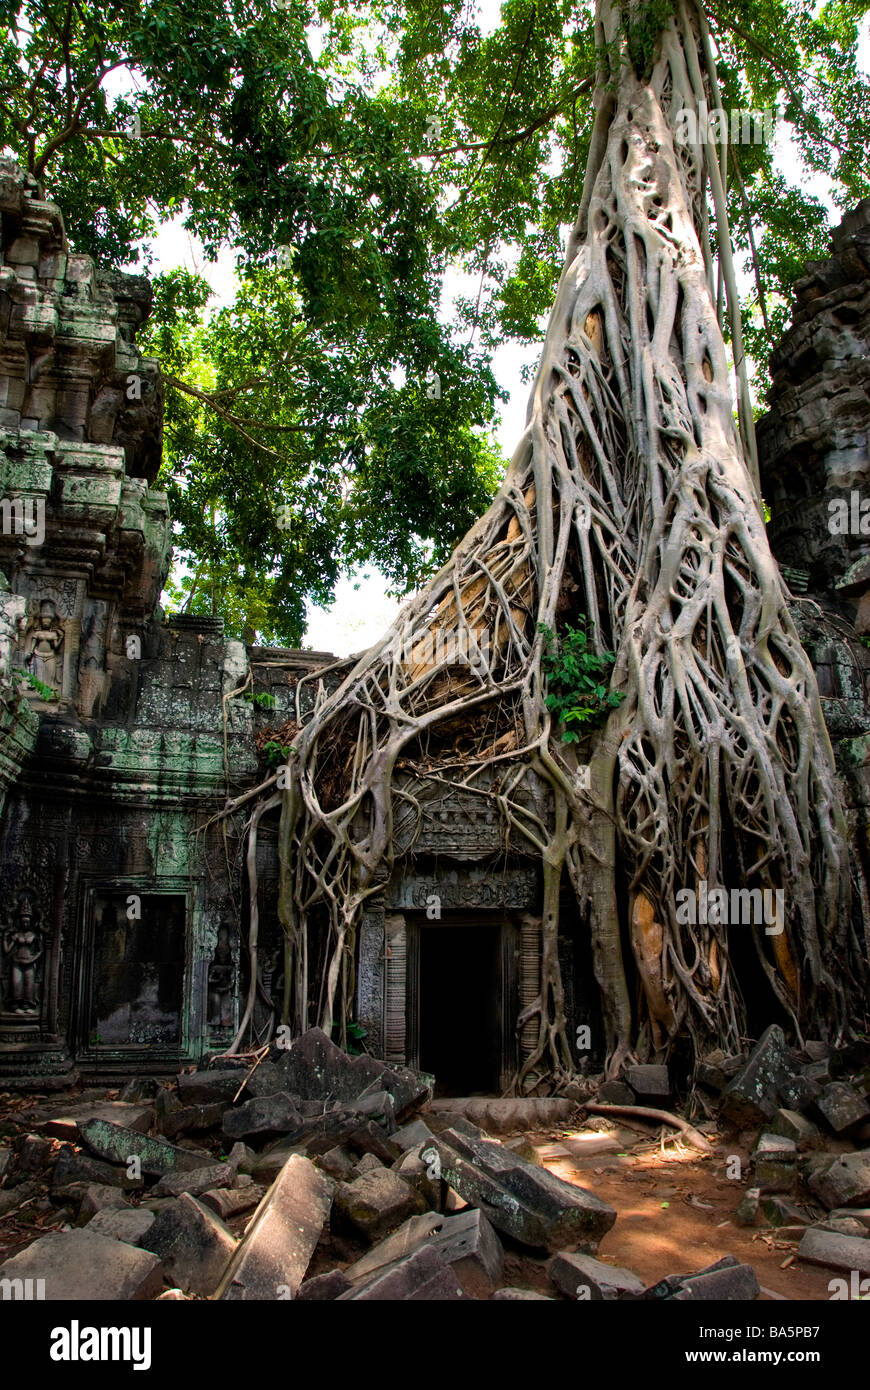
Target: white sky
362 610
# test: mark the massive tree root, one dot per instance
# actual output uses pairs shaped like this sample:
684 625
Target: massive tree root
628 500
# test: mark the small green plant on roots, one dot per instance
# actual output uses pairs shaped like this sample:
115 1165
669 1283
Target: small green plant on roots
577 680
44 691
277 753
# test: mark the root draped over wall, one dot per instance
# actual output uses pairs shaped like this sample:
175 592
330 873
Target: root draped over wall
631 498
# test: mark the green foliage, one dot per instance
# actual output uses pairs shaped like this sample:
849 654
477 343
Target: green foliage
354 1033
45 692
277 753
644 26
577 680
305 399
261 700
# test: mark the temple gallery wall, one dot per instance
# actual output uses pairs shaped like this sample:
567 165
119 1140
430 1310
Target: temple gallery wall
123 902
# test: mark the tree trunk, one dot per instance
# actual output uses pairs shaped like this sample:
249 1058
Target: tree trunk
629 501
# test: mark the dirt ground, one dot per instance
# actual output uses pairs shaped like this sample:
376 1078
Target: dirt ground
675 1212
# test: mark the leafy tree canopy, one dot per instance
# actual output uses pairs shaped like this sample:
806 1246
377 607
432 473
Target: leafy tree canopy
305 431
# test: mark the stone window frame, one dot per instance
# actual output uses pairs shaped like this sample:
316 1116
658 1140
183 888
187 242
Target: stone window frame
130 1055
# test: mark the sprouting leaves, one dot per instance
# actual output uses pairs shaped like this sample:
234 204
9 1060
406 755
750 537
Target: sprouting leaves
577 692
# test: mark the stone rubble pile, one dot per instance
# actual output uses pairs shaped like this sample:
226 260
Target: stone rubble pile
316 1176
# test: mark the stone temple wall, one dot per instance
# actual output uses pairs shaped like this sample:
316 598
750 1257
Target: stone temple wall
814 449
121 917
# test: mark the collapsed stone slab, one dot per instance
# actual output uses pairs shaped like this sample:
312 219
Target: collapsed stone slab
129 1224
376 1202
725 1281
193 1244
466 1242
271 1261
582 1277
752 1097
264 1117
522 1200
835 1250
115 1144
421 1277
195 1182
64 1123
844 1181
82 1265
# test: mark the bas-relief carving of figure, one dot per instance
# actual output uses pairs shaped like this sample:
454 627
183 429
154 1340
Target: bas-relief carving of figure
220 982
22 945
13 618
92 655
43 646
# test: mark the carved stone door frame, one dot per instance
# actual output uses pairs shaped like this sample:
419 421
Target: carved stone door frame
402 993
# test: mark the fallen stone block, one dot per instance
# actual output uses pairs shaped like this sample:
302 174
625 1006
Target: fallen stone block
96 1197
727 1279
376 1203
82 1265
834 1250
842 1107
422 1277
752 1097
779 1211
193 1244
799 1093
266 1117
844 1225
209 1087
526 1202
466 1242
273 1159
192 1118
844 1182
194 1183
5 1162
372 1138
520 1296
861 1214
64 1123
818 1072
324 1288
243 1159
72 1167
130 1224
228 1202
748 1208
583 1277
338 1163
735 1284
775 1163
791 1124
14 1196
410 1135
650 1084
367 1164
376 1105
115 1144
413 1170
271 1261
33 1153
616 1093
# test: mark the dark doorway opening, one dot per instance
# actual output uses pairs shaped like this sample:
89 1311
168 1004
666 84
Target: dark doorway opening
138 970
461 1006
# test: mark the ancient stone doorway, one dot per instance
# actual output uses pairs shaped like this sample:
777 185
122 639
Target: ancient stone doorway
135 987
462 1001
